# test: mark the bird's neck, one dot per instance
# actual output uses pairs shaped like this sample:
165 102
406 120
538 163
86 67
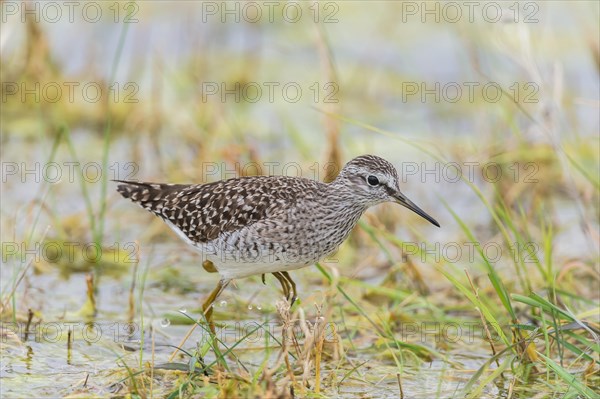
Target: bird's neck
338 214
346 196
341 200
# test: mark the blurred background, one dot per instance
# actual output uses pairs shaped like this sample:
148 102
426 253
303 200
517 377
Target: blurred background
489 110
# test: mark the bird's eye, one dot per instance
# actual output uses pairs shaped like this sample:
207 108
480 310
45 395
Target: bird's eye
372 180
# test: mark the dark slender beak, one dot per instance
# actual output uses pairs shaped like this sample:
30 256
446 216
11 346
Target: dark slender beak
402 200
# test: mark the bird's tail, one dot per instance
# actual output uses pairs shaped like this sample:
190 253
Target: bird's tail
151 196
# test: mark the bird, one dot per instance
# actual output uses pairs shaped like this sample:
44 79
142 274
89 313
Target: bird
256 225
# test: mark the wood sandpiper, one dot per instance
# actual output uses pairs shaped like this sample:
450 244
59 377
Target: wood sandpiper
269 224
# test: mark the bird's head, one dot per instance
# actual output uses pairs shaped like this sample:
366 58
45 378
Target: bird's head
373 180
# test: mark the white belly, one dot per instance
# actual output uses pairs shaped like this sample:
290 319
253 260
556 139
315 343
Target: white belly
233 263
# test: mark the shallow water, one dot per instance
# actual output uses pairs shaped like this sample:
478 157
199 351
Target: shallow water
42 364
175 133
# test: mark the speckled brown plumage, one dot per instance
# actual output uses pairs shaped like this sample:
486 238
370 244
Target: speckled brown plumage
269 224
203 212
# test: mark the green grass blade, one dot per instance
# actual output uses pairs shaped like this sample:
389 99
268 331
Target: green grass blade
569 378
493 275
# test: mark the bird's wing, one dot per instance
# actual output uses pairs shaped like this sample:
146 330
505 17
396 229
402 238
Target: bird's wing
203 212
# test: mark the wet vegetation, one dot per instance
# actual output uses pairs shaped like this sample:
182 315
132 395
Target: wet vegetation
502 301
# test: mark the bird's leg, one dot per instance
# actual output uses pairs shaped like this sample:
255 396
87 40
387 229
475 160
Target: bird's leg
293 287
207 306
288 285
207 309
262 276
284 283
